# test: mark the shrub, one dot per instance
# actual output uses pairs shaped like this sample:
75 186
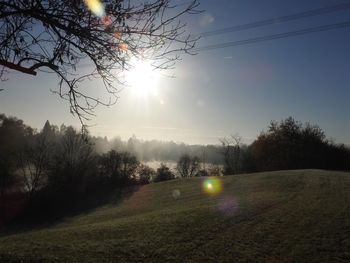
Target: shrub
215 170
187 166
164 173
202 172
119 167
145 174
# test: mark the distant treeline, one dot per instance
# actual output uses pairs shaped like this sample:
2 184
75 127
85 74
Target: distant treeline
155 150
57 169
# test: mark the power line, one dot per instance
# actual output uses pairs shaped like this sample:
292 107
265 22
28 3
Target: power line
281 19
277 20
275 36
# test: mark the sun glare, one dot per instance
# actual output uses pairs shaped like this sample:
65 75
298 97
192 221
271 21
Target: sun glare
142 78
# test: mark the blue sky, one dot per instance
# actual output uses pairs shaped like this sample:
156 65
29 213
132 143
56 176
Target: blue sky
223 91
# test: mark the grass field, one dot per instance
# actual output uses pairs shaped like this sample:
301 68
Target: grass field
283 216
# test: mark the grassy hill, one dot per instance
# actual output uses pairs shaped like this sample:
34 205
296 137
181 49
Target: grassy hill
284 216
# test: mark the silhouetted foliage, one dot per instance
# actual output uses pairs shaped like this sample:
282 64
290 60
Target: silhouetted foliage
129 166
57 170
7 178
110 164
215 170
164 173
188 166
290 145
13 133
202 172
32 163
72 165
232 154
120 167
145 174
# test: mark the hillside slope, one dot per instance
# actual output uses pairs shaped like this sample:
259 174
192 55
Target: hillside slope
284 216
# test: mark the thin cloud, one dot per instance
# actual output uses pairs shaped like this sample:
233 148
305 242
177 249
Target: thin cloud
159 128
206 20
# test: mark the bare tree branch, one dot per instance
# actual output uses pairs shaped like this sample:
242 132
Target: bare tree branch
64 35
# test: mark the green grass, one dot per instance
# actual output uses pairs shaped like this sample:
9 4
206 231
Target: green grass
284 216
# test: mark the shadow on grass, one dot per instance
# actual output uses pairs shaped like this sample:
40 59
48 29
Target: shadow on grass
45 210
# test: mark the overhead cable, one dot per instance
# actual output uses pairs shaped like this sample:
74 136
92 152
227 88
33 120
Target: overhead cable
275 36
277 20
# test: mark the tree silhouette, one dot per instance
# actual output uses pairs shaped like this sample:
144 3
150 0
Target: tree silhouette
65 35
163 173
187 166
145 173
232 153
289 144
12 138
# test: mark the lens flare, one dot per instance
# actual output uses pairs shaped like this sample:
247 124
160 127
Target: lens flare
118 35
123 47
95 7
106 20
212 186
228 206
176 193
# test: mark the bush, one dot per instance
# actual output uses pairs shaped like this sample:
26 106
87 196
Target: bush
187 166
145 174
292 145
202 172
119 167
164 173
215 170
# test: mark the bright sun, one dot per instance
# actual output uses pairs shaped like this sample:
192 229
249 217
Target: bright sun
142 78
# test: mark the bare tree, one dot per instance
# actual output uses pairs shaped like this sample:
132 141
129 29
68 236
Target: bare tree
187 166
7 178
120 167
12 137
63 36
72 163
145 173
33 163
232 153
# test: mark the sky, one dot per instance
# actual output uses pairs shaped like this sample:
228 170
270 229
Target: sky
218 92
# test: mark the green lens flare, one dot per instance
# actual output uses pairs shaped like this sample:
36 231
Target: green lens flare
212 186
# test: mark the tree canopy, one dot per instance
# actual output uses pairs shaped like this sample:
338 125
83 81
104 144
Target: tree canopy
291 145
82 40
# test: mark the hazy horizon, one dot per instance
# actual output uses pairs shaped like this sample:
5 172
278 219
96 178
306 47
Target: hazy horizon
221 91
